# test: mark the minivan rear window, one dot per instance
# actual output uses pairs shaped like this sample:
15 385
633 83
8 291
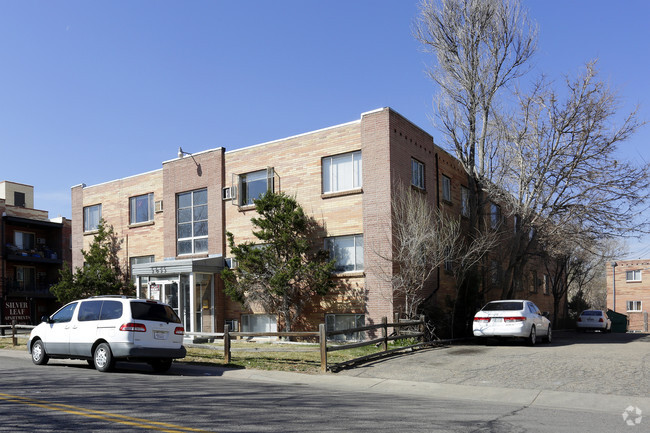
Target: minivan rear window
503 306
154 312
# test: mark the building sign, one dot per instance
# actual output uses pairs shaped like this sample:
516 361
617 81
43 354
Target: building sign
154 291
16 311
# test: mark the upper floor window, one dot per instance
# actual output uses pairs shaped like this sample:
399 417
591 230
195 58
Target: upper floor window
495 215
342 172
141 208
24 241
417 174
192 222
633 275
92 215
19 199
254 185
347 251
446 188
464 201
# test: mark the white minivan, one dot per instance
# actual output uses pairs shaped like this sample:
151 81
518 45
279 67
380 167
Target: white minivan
104 329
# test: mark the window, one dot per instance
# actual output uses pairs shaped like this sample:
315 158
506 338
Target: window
633 275
545 284
64 314
92 215
634 306
342 172
340 322
259 323
347 251
446 188
254 185
144 280
464 201
19 199
449 264
495 215
192 222
417 174
533 282
89 310
516 222
141 208
24 241
25 276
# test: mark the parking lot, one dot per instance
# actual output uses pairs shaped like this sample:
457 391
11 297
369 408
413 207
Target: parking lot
591 362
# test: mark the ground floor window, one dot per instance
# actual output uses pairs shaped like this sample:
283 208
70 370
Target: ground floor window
634 306
340 322
259 323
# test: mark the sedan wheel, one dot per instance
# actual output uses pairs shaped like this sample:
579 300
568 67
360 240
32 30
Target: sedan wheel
532 339
549 335
103 358
39 357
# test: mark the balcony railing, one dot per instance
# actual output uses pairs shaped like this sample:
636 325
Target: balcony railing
13 287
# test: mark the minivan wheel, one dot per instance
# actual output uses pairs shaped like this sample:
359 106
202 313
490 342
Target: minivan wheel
39 356
161 365
532 339
103 358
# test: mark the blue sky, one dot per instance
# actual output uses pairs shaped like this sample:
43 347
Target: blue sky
92 91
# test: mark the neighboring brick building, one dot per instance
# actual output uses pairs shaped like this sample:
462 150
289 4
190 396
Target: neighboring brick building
628 292
33 250
174 219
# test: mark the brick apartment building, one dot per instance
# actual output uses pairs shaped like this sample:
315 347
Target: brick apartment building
173 220
628 293
33 250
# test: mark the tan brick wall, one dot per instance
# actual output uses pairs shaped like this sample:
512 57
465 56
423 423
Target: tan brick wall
629 290
297 165
140 240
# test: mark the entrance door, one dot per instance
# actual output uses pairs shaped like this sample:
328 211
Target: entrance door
168 291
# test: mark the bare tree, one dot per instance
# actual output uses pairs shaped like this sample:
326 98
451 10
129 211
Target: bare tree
423 239
559 175
481 48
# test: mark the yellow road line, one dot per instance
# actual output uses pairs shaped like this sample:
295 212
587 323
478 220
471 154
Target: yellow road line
101 415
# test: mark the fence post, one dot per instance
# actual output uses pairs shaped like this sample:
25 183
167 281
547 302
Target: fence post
384 333
422 329
322 337
14 338
226 344
396 329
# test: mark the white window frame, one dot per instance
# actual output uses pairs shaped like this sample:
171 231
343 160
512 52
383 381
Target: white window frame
446 188
464 201
355 264
258 175
633 276
92 216
417 173
335 177
634 306
192 221
271 324
331 325
133 211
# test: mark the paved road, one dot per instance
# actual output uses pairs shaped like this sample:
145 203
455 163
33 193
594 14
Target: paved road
610 364
70 396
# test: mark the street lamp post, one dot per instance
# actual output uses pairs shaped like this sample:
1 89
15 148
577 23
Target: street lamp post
614 264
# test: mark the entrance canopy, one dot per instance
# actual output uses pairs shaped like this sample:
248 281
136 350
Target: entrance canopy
209 265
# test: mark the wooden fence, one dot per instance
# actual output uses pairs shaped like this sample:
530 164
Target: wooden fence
322 335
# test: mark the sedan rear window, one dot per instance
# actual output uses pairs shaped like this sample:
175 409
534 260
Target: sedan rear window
592 313
153 312
503 306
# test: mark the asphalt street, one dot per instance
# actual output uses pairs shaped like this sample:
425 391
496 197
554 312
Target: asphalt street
570 385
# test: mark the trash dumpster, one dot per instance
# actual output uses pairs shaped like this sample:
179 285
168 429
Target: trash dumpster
619 321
